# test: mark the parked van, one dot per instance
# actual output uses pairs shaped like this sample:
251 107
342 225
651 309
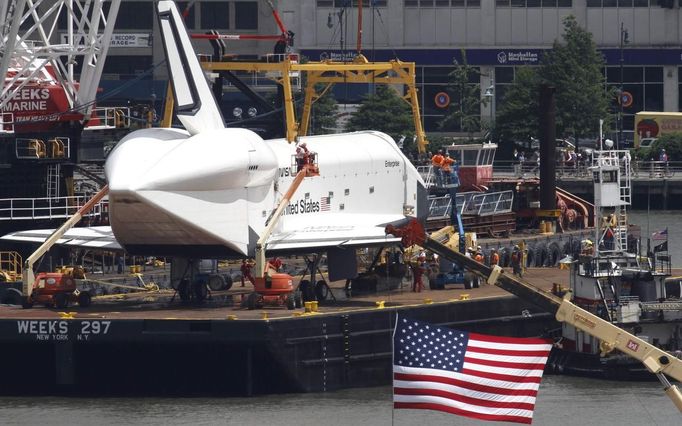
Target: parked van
647 142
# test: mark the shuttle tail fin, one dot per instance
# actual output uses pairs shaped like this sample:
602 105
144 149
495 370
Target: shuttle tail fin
195 106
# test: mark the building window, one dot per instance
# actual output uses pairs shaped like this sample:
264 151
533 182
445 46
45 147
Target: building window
621 3
128 67
431 81
534 3
135 16
246 15
645 84
215 15
347 3
188 15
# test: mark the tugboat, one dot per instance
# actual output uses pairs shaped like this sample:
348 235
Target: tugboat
613 280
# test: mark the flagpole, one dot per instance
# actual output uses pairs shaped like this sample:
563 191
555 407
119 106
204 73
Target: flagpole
395 327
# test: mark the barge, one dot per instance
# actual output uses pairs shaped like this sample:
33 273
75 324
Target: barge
151 344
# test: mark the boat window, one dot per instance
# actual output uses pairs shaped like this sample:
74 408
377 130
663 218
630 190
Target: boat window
610 176
469 157
491 155
595 177
484 157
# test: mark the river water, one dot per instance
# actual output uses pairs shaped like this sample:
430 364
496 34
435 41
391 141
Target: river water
561 400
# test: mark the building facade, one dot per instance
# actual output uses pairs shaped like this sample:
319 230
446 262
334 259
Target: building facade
497 36
641 37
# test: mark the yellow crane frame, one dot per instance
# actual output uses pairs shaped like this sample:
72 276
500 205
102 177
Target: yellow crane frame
329 73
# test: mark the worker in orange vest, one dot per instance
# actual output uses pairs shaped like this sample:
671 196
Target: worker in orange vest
437 165
494 257
478 257
447 168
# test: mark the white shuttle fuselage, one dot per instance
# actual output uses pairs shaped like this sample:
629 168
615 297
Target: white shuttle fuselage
211 194
208 191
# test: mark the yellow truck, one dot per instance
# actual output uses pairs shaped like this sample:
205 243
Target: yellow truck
654 124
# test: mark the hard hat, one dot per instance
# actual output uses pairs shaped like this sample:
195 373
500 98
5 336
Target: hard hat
478 247
303 144
516 247
470 249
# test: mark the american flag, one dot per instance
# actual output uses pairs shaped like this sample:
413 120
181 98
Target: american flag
468 374
324 204
660 235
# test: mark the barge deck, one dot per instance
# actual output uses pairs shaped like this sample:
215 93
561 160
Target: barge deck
146 344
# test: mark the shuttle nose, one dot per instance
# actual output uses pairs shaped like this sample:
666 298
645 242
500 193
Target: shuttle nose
205 162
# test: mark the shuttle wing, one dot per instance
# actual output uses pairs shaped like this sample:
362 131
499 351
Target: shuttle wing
194 103
325 236
96 237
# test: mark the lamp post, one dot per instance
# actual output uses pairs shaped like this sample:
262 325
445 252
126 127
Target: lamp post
490 95
623 40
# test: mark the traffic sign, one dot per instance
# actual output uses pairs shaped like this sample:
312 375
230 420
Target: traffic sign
626 99
442 100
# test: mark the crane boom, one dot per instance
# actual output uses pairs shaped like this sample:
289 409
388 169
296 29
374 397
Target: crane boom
612 337
32 57
28 275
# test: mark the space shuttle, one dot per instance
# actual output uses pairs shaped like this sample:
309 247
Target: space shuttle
207 191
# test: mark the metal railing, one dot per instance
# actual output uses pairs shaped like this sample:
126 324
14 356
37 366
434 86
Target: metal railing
426 172
46 208
639 168
472 203
58 147
110 118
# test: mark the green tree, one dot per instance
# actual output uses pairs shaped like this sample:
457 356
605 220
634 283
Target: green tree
574 68
324 113
384 111
671 142
517 118
465 111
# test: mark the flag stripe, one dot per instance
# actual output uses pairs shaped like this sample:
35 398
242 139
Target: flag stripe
515 341
446 376
522 405
509 372
517 359
503 364
505 377
403 380
460 412
509 346
462 405
544 352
